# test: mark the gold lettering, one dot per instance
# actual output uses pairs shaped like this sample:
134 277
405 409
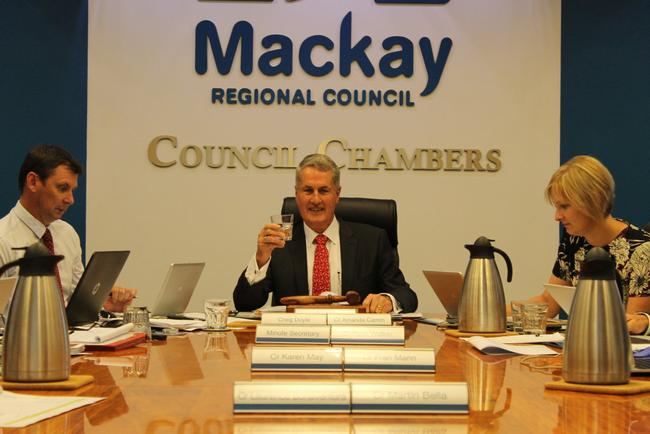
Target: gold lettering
198 156
208 157
493 157
256 153
403 159
152 151
473 160
285 158
433 159
383 160
323 148
453 159
241 156
360 155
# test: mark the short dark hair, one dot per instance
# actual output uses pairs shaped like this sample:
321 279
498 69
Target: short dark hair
43 160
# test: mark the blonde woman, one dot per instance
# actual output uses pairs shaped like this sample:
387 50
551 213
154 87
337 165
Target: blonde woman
582 192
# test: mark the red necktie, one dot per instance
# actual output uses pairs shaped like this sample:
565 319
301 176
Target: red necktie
321 274
48 241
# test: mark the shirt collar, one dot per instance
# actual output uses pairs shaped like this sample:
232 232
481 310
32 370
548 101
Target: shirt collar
332 232
29 220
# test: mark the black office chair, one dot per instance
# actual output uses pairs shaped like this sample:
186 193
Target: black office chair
381 213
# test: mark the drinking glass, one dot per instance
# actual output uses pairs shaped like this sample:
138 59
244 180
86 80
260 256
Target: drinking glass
216 314
517 310
534 318
286 223
139 316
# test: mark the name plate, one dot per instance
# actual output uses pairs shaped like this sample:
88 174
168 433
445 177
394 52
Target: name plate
281 318
367 319
390 360
375 335
296 397
275 334
343 310
410 397
269 358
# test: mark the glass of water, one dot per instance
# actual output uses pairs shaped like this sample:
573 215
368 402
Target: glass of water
286 223
216 313
139 316
534 318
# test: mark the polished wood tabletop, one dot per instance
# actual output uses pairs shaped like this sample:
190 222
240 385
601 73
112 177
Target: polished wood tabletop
185 385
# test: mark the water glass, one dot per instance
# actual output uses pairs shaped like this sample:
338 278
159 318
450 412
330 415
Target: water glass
286 223
216 314
517 310
534 318
139 316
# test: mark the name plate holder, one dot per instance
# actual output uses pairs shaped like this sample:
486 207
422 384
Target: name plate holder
389 359
267 358
281 318
410 397
427 397
293 334
290 397
371 335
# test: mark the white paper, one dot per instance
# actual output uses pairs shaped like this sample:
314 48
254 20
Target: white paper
99 334
489 346
527 339
18 410
181 324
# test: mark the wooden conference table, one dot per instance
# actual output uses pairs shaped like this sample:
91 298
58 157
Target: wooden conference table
185 385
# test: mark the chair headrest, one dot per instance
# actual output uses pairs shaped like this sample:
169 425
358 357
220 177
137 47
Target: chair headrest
381 213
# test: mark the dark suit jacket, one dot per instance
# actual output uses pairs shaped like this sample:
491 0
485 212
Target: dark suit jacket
368 266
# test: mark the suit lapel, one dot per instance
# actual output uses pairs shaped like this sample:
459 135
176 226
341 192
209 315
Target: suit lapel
299 258
348 255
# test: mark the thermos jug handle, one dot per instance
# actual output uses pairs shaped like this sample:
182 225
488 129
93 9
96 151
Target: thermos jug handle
508 263
9 265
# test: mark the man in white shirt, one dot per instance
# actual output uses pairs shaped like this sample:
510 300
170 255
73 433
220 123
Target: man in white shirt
358 256
47 180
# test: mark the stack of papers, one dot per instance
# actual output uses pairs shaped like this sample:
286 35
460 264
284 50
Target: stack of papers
98 334
515 344
20 410
180 324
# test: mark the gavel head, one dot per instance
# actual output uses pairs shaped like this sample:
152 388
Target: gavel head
353 298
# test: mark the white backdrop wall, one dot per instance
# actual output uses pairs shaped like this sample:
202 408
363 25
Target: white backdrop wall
500 89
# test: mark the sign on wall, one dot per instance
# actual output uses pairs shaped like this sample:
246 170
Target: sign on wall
199 112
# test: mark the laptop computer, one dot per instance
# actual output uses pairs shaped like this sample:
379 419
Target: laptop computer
563 295
178 288
447 285
94 286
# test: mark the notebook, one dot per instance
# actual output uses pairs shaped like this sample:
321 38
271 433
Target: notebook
178 288
447 285
563 295
94 286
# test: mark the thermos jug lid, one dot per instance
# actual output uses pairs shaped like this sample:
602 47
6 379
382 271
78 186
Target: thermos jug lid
482 248
598 265
38 261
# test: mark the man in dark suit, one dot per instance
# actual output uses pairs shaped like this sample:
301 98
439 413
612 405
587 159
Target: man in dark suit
357 256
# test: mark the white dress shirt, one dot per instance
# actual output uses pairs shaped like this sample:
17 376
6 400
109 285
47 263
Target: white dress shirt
21 229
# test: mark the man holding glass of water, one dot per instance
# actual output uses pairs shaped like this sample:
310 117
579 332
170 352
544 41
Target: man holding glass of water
325 255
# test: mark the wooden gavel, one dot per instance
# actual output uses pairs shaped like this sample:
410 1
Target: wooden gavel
352 297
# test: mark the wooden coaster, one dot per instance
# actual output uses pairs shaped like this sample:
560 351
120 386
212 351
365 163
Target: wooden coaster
631 388
458 334
74 382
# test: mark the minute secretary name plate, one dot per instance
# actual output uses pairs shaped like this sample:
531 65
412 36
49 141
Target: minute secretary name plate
272 358
296 397
278 334
410 397
372 335
390 359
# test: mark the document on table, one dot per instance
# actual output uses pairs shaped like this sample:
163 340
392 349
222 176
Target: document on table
181 324
18 410
494 346
99 334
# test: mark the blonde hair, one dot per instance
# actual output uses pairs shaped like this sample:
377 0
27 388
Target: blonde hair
586 183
